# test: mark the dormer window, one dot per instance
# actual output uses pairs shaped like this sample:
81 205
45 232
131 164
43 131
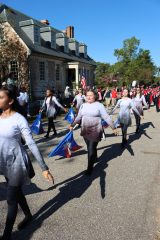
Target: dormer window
36 35
48 37
31 29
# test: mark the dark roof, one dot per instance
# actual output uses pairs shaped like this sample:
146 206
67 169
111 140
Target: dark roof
14 17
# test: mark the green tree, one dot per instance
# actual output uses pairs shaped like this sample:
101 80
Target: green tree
134 63
102 74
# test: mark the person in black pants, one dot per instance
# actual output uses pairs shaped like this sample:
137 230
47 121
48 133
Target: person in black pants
49 104
15 164
15 196
90 114
92 153
157 99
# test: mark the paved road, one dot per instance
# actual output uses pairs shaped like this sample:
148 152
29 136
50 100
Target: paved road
120 201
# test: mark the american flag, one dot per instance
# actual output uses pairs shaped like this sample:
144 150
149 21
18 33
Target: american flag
83 81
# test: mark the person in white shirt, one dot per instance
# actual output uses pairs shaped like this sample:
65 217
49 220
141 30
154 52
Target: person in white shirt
15 164
49 105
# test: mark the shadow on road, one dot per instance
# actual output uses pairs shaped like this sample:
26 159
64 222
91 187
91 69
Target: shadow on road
71 188
76 186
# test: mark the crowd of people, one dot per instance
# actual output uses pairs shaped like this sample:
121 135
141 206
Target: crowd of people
91 104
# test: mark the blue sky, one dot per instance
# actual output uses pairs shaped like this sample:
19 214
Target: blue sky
101 24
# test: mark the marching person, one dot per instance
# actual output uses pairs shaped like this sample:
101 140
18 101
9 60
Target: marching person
68 96
113 97
15 164
139 100
91 113
107 97
124 116
49 105
79 99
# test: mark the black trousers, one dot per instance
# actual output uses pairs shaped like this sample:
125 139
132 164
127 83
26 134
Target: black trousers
15 196
51 125
92 152
124 132
138 121
156 103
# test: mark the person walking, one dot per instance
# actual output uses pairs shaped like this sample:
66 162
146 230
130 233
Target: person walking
113 97
91 113
67 96
15 164
49 105
124 116
107 97
79 99
138 100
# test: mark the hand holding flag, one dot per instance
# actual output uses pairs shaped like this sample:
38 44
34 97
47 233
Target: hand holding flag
36 127
66 146
70 115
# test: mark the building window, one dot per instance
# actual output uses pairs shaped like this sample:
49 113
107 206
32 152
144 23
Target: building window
14 69
42 71
57 72
36 35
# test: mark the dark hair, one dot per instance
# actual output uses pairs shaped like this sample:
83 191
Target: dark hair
51 90
94 92
12 93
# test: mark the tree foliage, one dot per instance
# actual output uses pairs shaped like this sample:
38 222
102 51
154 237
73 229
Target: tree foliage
12 49
133 63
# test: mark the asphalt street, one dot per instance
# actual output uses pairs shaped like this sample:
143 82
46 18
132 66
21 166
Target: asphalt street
119 201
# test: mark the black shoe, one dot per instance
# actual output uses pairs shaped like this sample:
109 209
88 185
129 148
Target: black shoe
25 222
89 171
46 136
137 130
54 134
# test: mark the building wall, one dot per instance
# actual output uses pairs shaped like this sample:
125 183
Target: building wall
38 86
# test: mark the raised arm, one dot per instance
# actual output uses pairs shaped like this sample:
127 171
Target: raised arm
54 99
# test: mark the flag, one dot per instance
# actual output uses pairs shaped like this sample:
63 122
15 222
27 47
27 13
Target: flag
70 115
36 127
66 146
83 81
104 123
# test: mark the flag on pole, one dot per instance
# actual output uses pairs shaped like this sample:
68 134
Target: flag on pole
66 146
36 127
70 115
83 81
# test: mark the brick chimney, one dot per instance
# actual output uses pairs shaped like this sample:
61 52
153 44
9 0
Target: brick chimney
70 31
45 21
